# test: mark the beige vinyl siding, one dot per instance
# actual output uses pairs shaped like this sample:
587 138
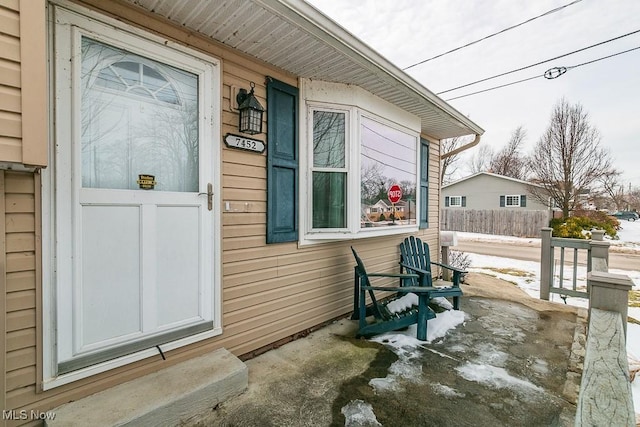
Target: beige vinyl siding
10 99
20 279
33 48
23 114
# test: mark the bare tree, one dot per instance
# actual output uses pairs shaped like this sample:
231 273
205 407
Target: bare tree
480 160
568 159
372 182
613 190
510 161
449 165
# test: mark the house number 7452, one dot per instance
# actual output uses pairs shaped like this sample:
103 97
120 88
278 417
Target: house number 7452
237 141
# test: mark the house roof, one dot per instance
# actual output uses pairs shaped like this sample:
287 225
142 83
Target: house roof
495 175
294 36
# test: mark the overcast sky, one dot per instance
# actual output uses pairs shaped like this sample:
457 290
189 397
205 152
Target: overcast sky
408 31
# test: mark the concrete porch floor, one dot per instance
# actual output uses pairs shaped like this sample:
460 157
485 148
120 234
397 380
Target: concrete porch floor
515 361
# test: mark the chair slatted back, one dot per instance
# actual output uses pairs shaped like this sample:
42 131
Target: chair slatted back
414 251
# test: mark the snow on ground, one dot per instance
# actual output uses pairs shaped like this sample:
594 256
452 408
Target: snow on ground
408 348
628 235
628 238
526 275
359 413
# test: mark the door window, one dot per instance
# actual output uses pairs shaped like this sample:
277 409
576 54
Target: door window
138 117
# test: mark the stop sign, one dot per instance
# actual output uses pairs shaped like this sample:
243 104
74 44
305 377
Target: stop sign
394 193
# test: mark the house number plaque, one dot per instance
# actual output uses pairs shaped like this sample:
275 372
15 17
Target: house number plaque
237 141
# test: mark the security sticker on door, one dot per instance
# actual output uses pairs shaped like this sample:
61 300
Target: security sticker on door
146 182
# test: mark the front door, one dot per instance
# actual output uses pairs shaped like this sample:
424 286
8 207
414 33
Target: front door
133 194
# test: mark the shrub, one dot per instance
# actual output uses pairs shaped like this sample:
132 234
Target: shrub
460 260
381 217
579 227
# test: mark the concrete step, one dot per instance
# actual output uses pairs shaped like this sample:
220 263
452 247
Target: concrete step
165 398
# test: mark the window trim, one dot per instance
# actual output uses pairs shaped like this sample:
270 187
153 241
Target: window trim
349 140
506 201
359 103
457 205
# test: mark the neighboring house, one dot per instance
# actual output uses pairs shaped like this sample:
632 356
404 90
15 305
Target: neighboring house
379 207
402 210
485 191
133 223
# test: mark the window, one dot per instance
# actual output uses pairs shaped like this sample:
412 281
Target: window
329 171
351 159
513 201
387 157
455 201
138 116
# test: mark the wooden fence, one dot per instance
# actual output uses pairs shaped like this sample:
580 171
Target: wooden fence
505 222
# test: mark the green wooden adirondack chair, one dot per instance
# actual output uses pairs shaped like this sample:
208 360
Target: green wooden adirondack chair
414 258
384 318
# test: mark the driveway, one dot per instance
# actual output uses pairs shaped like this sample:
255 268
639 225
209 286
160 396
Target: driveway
514 361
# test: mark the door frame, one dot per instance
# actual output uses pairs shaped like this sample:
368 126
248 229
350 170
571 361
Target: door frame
83 16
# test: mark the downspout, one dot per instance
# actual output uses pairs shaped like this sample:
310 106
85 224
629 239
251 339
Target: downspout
461 149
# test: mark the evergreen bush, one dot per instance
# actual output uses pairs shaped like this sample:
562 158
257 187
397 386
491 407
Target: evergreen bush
580 225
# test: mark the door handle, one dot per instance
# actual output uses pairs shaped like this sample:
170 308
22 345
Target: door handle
209 194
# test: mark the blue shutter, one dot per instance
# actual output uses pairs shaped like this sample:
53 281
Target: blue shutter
464 201
523 201
502 202
446 201
424 184
282 162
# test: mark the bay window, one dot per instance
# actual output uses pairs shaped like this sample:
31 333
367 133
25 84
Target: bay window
352 158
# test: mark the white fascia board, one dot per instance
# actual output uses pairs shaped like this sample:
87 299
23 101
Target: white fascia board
314 22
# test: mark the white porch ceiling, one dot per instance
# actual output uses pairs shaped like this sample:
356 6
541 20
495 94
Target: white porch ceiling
294 36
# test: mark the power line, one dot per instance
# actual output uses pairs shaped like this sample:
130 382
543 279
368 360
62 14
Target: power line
493 88
604 57
538 63
549 12
544 75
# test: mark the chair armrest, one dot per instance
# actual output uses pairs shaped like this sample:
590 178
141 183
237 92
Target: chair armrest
449 267
414 289
418 271
395 275
419 289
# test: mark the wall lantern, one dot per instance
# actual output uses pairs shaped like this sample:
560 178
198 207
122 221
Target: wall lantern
250 112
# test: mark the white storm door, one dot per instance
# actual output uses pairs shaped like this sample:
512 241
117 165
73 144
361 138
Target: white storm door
134 219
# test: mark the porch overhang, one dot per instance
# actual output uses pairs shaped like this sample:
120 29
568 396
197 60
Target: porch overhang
295 37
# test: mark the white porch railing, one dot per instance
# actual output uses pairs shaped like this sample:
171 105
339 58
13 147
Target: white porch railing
605 390
594 252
